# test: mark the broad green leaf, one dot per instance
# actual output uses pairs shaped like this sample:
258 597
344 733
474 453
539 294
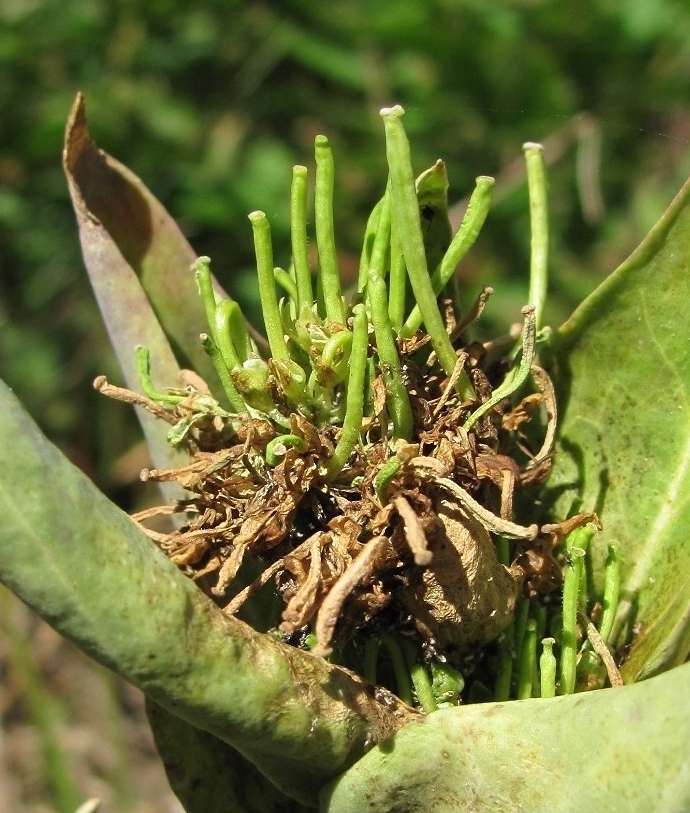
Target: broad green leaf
86 568
207 775
604 751
139 266
622 370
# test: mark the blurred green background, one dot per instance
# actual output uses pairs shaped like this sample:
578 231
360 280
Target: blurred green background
212 102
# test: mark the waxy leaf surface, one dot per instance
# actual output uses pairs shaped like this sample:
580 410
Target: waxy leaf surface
622 370
88 570
604 751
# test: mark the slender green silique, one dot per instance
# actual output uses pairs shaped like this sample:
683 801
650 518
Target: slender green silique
517 376
222 333
298 236
539 228
400 668
506 658
547 668
521 617
528 660
397 281
462 242
397 399
381 246
406 211
202 270
612 590
572 580
231 392
287 283
352 423
325 236
370 658
370 232
267 286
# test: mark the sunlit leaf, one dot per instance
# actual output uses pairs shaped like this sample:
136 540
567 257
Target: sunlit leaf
623 375
86 568
605 751
207 775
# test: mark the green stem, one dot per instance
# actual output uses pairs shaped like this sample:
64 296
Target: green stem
528 660
612 589
267 286
517 376
423 688
571 593
142 361
381 244
235 400
400 670
539 228
202 269
277 448
397 398
352 423
336 354
298 235
325 238
368 245
222 333
547 668
287 283
462 242
384 476
406 212
521 616
506 656
397 281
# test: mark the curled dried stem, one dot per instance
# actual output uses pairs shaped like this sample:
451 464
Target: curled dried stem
102 385
414 533
488 519
361 569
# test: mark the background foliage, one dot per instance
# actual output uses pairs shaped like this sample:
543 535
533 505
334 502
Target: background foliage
211 103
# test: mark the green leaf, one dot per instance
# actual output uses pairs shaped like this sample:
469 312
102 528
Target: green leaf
622 370
604 751
209 776
85 566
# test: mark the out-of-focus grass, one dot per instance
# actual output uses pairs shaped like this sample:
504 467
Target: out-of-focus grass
69 729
